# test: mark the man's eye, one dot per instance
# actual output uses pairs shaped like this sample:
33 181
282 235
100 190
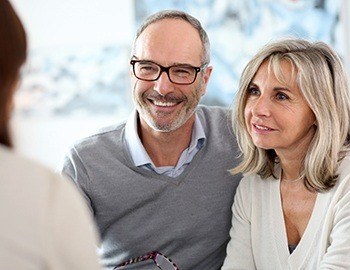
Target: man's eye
147 68
182 71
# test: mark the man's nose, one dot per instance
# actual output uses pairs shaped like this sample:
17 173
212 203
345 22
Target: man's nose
163 85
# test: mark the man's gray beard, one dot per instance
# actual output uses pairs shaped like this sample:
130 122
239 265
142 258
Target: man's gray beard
179 122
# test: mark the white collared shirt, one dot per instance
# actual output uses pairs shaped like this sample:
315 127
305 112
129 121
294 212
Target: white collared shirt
141 158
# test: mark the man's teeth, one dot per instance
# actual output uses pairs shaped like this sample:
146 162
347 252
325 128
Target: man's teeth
262 128
163 104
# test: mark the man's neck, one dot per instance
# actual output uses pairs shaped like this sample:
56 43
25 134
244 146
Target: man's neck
165 148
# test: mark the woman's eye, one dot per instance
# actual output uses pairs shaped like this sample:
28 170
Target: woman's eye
281 96
253 91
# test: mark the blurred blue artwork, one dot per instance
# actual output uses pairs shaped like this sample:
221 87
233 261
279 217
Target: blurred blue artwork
96 82
238 28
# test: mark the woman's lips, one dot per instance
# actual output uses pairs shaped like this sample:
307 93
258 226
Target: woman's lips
262 129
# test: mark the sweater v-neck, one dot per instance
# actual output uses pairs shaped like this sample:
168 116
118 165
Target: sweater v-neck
297 258
149 173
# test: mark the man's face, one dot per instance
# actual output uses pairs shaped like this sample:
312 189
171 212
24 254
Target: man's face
161 104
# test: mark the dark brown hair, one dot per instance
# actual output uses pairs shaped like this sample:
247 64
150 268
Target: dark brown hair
13 53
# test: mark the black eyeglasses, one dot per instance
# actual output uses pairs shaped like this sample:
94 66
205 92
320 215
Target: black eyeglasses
179 74
160 260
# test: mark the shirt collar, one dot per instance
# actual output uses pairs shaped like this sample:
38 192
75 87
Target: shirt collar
198 135
139 154
137 151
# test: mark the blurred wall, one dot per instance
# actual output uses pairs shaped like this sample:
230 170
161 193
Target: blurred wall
68 26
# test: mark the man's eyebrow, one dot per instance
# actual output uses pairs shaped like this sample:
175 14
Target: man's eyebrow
172 64
143 60
181 64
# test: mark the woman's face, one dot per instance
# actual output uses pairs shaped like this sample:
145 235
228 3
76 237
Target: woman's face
277 115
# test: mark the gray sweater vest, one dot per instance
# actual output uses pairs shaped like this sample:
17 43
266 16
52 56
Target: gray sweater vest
187 218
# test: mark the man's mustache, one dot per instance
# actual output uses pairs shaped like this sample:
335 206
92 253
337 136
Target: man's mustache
154 95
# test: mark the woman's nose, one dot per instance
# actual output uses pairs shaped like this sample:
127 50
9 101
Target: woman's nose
261 106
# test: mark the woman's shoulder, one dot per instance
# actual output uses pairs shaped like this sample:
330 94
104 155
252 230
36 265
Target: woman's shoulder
344 167
34 196
344 174
32 178
15 167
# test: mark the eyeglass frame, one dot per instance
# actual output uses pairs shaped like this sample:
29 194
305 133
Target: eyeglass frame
166 70
151 255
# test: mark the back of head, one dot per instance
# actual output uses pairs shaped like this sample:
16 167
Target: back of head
13 51
321 79
178 15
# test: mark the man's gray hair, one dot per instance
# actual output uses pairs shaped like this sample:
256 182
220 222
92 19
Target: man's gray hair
179 15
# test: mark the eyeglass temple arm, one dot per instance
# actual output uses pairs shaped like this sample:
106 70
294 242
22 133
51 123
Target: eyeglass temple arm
141 258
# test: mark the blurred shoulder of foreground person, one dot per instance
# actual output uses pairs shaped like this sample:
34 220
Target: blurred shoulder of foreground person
44 224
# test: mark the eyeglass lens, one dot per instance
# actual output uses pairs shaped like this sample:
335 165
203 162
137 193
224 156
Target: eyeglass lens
178 74
151 261
164 263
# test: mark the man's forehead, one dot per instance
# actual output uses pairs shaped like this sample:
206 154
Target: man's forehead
170 23
174 41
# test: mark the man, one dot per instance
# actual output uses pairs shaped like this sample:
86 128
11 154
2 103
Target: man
160 181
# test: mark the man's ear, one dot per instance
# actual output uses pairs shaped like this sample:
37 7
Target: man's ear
206 77
207 74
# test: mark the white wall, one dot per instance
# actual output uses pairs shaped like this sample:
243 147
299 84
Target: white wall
345 18
67 23
47 140
78 23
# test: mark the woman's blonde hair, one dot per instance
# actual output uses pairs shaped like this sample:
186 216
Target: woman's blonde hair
322 81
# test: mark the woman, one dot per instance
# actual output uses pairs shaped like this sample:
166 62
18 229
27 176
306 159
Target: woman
292 208
44 223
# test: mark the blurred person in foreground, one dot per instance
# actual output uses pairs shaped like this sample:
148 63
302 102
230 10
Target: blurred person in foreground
160 181
292 118
44 222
